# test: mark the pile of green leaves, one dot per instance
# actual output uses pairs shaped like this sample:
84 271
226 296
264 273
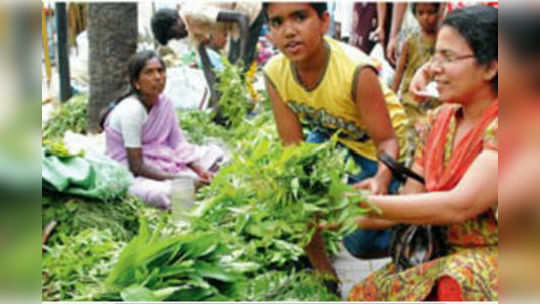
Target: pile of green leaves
76 266
235 101
274 196
69 116
86 241
199 128
75 215
191 266
201 266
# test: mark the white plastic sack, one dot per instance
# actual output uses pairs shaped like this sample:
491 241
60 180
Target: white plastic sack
186 87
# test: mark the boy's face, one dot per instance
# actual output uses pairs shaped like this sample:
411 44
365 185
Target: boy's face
427 16
296 29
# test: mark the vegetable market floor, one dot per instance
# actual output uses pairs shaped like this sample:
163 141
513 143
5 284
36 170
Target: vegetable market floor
352 270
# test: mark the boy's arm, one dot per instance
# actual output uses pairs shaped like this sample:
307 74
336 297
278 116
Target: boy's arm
371 104
402 64
288 125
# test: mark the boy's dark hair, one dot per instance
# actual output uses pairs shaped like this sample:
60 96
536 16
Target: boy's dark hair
415 4
162 21
479 26
320 7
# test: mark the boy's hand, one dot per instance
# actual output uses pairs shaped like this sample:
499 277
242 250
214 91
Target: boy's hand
330 226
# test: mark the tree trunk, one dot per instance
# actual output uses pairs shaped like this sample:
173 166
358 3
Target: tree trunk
112 40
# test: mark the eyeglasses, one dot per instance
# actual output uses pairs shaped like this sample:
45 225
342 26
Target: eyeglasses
445 59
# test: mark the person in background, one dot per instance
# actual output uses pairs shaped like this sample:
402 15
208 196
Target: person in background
389 20
417 50
364 24
142 132
329 86
241 20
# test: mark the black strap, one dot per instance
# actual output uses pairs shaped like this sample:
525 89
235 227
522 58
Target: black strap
399 171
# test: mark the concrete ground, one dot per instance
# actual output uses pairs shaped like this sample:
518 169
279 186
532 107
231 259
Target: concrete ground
351 270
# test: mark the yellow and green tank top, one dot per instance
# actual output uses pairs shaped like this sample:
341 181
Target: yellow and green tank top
330 105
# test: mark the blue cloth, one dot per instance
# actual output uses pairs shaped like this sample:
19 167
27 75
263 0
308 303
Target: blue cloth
215 60
362 243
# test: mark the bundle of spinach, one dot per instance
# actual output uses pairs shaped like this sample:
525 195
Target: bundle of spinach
69 116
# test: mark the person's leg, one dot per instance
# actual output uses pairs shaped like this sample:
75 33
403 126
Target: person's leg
154 193
251 45
253 39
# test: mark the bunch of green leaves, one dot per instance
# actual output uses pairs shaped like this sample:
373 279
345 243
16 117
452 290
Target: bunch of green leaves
235 101
75 214
199 126
69 116
185 267
75 267
274 196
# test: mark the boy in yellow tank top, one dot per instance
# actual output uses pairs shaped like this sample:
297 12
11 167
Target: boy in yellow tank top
330 86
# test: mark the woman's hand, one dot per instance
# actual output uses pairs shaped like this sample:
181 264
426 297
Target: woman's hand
376 185
419 83
205 176
363 222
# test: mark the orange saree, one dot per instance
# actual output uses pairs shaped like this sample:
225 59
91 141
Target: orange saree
473 259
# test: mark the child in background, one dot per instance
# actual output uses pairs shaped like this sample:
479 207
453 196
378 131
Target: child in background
417 50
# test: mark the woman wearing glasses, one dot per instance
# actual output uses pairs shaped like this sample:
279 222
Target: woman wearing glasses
459 160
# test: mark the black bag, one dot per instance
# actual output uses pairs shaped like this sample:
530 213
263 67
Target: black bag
412 245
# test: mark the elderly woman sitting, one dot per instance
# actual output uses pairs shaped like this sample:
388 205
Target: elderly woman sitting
142 132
